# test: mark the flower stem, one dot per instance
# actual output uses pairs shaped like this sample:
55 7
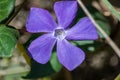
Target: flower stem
108 39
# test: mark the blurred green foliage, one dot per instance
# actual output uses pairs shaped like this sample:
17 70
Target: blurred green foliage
6 7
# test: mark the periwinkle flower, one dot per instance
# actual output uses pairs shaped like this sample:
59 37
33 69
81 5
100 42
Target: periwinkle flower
40 20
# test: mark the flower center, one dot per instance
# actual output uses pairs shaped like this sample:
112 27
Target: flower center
59 34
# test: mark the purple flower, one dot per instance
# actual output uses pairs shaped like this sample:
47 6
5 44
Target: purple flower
69 55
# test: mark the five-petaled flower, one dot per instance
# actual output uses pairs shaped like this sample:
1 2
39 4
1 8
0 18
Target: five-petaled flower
40 20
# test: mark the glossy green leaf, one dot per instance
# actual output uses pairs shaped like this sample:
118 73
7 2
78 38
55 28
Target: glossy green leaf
14 31
6 7
7 41
55 63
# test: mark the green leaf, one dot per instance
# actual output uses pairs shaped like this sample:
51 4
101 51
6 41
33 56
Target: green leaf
14 31
83 42
7 41
87 46
105 27
102 21
55 63
6 7
39 70
111 8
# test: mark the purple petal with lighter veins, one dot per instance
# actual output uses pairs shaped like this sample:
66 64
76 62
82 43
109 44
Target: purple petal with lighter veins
40 20
69 55
83 30
41 48
65 12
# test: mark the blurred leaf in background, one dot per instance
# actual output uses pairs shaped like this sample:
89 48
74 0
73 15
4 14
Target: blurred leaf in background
55 63
88 46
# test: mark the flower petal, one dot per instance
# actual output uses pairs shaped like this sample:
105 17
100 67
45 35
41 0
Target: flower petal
83 30
65 12
40 20
69 55
41 48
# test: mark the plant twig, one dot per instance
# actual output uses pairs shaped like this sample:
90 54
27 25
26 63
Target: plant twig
108 39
